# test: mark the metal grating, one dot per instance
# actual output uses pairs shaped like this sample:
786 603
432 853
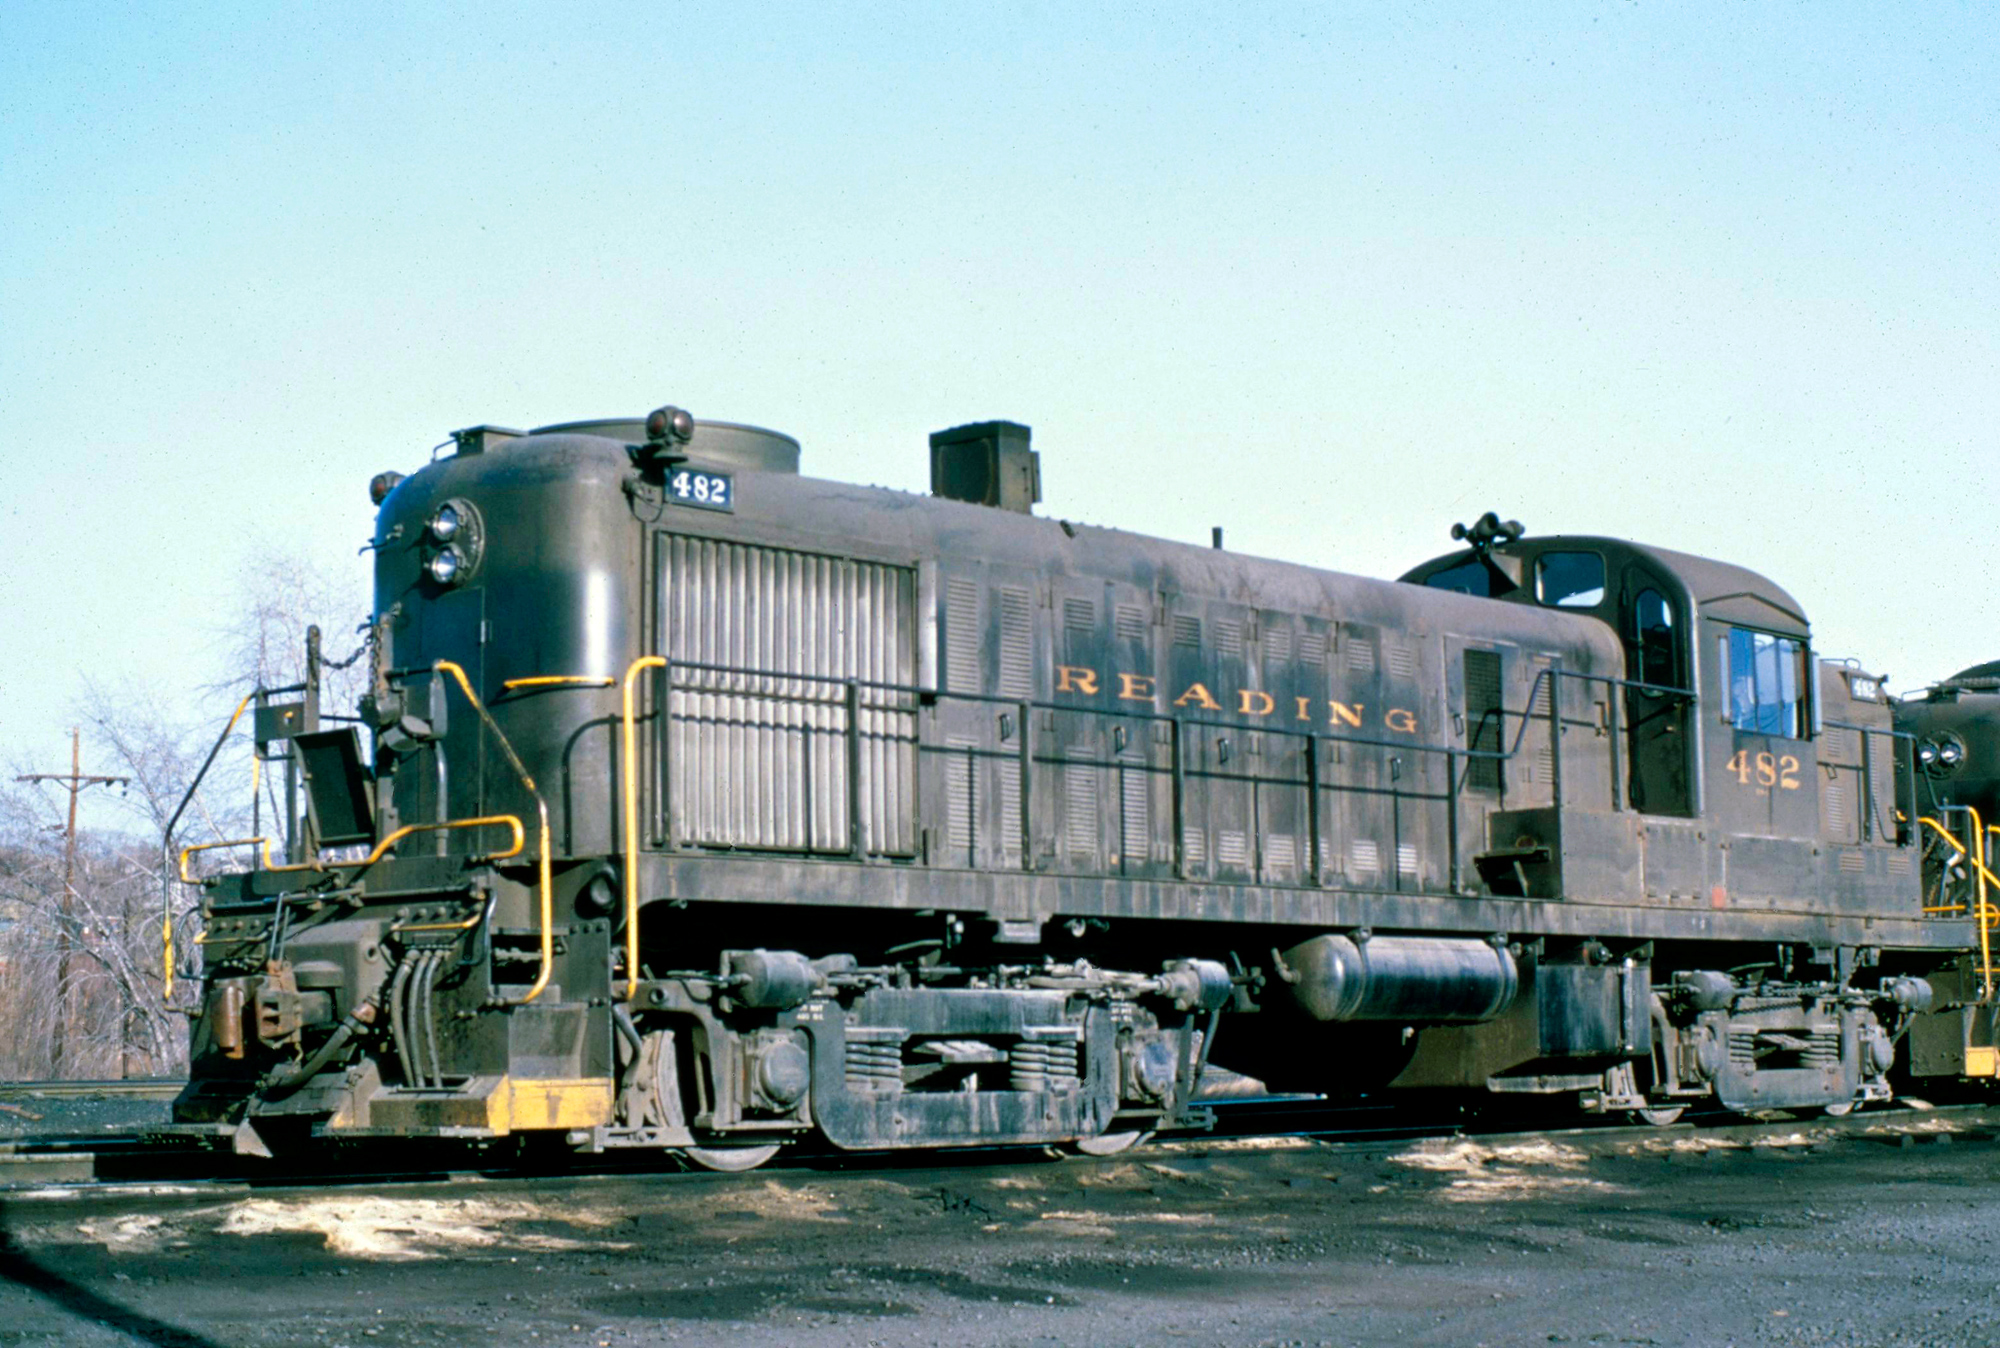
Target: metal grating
1402 661
1361 657
1483 718
1187 630
1079 615
1229 638
760 760
1312 648
1278 644
1131 622
1364 857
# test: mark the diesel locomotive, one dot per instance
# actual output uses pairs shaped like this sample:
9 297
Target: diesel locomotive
700 805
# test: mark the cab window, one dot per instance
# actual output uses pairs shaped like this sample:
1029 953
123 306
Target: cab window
1474 577
1653 640
1765 678
1570 579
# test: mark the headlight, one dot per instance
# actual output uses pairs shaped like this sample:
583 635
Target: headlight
1950 751
1927 753
444 567
444 524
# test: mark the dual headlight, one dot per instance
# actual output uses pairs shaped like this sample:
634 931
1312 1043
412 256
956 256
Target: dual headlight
454 539
1941 755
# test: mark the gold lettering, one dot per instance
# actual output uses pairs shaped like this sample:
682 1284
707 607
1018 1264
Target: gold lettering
1343 712
1198 695
1400 721
1075 679
1305 708
1136 687
1248 698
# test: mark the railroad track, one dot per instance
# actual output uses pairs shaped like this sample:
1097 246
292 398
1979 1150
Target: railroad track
137 1159
141 1088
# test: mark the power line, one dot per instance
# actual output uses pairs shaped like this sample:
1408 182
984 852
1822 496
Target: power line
75 780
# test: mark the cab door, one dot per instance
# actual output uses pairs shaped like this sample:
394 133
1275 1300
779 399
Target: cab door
1656 631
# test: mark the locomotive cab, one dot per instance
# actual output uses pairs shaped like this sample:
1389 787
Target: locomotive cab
1723 705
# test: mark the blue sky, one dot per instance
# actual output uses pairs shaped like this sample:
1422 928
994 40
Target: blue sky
1720 278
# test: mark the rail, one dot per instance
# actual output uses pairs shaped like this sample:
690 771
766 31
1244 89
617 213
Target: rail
1544 692
545 884
1984 913
167 843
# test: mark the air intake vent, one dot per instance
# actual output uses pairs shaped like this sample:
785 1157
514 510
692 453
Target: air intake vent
986 463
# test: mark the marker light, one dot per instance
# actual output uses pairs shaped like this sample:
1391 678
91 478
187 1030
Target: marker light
444 567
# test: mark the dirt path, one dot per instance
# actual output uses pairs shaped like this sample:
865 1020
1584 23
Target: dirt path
1670 1240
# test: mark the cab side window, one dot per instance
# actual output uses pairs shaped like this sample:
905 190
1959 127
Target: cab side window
1653 640
1765 679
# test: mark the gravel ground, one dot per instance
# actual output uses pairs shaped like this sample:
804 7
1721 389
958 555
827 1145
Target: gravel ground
1849 1236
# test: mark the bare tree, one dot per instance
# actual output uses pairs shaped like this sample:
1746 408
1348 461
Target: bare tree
128 912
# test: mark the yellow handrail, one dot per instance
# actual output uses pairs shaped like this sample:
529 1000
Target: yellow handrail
1981 876
547 906
166 897
631 803
512 821
559 680
259 841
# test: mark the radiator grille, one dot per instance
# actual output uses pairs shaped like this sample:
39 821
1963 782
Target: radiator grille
761 760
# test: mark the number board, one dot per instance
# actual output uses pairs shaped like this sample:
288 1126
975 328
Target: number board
705 491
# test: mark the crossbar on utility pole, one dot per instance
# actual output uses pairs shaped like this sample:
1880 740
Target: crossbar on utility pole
75 780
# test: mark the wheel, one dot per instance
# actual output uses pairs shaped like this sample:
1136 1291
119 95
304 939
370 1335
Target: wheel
1110 1144
1660 1116
731 1160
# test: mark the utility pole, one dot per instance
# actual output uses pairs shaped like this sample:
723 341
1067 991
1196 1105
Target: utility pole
75 781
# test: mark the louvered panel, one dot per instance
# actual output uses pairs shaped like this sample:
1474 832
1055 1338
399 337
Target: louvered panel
1402 661
961 636
1010 812
1017 643
1131 623
1079 615
1232 847
1882 784
1187 630
1361 657
1194 847
1833 810
1312 648
1229 638
758 756
1080 818
961 824
1135 819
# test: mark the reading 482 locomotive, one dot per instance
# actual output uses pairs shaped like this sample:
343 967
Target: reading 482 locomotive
710 806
